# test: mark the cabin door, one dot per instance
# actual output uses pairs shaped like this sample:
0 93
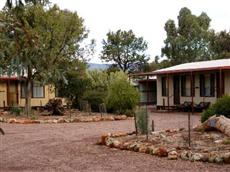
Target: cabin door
176 90
12 93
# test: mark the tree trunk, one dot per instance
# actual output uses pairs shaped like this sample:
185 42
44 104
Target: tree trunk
28 92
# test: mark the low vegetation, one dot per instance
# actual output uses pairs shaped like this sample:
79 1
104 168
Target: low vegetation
142 120
221 107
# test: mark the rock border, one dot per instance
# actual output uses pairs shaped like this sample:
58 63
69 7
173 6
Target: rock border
112 141
63 120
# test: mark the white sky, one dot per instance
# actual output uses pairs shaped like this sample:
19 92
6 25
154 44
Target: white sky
145 17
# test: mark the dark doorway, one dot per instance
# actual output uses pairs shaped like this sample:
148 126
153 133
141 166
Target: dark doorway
176 90
12 93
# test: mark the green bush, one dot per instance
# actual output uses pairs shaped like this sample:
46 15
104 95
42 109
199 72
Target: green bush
95 98
121 95
221 107
129 113
15 110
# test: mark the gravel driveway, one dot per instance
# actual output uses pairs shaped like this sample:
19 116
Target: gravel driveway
70 147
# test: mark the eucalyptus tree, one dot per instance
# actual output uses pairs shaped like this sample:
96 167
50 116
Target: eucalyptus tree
189 40
36 40
125 50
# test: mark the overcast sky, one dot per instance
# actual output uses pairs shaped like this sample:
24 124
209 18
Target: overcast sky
145 17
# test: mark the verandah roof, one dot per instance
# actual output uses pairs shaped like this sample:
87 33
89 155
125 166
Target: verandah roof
196 66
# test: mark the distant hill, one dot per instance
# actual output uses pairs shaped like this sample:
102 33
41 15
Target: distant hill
93 66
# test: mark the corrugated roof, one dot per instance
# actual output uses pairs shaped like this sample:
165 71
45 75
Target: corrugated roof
196 66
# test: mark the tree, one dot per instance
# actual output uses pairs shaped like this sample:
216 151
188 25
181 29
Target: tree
97 89
190 41
75 84
125 50
221 44
36 39
121 95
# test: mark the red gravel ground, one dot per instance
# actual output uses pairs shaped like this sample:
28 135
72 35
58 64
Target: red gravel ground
71 147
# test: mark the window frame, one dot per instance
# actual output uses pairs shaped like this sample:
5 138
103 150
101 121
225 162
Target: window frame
164 89
192 87
32 92
212 82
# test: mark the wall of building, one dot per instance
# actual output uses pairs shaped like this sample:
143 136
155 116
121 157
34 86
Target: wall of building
3 93
49 94
197 99
227 82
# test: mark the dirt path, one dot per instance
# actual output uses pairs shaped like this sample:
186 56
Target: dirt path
70 147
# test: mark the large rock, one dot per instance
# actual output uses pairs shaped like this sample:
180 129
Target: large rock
220 123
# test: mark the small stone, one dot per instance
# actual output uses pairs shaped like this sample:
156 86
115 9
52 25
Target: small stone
219 159
116 143
108 118
226 157
96 118
132 146
55 121
204 157
143 148
184 155
196 157
75 120
125 145
2 119
12 120
173 155
120 117
61 120
218 141
103 139
162 152
212 157
109 141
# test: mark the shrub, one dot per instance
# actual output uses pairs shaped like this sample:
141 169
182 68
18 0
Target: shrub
142 120
94 98
15 110
129 113
221 107
121 95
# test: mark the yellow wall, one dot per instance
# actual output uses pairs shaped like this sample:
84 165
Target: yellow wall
3 95
49 94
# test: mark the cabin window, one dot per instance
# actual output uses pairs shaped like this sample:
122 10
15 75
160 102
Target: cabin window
207 85
38 90
186 86
23 90
164 85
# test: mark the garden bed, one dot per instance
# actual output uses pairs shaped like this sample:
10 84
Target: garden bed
70 116
212 146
